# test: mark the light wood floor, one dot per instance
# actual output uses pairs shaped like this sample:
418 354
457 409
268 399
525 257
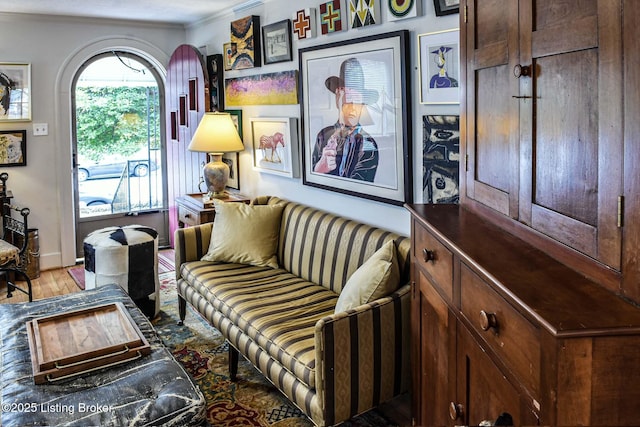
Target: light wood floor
50 283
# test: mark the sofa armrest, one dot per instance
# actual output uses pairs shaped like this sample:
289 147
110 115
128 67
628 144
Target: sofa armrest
191 244
363 356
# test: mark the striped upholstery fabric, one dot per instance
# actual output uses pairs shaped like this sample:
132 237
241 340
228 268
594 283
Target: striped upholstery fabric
326 249
275 308
332 366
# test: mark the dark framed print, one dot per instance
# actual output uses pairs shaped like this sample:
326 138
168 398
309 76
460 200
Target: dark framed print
440 159
13 148
446 7
216 82
245 37
15 92
356 120
276 42
232 159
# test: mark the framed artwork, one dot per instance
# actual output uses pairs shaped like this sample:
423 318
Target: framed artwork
275 145
363 13
232 159
276 41
245 35
13 148
440 158
331 16
439 60
403 9
279 88
216 82
15 92
304 23
446 7
230 50
356 121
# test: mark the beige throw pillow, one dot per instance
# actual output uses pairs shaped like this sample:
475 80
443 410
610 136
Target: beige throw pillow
378 277
245 234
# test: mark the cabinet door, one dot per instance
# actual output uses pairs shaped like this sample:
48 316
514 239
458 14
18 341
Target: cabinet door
571 130
434 353
489 42
483 391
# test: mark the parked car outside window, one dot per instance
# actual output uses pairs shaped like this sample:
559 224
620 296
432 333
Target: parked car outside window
113 166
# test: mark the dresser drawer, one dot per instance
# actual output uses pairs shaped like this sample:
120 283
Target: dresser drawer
512 337
188 216
434 258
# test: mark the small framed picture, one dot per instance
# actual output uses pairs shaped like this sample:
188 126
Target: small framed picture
439 67
232 159
276 41
275 145
216 82
15 92
13 148
230 49
446 7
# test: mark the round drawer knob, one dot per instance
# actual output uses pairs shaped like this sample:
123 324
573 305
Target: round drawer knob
428 255
488 320
456 411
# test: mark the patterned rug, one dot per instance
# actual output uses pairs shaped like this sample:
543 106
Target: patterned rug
251 400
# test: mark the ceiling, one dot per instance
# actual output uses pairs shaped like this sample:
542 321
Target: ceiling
169 11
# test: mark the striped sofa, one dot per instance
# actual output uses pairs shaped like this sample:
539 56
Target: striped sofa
333 366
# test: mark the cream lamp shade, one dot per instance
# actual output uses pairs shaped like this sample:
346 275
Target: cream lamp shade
216 134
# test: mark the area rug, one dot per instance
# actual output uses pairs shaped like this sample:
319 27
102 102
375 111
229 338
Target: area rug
166 262
251 400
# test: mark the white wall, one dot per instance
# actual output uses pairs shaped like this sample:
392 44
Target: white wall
54 46
209 36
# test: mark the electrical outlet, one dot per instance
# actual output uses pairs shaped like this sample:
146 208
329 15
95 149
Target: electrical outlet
40 129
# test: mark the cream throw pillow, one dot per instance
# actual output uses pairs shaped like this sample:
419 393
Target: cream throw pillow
245 234
378 277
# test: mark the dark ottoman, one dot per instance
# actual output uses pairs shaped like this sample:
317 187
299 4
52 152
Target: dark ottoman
153 390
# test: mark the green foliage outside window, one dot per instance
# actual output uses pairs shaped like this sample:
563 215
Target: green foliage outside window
117 120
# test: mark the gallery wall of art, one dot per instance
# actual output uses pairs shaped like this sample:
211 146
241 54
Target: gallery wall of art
380 46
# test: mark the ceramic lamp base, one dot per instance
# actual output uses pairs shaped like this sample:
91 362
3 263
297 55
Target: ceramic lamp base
216 175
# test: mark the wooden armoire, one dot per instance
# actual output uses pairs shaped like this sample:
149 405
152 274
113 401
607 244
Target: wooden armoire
525 297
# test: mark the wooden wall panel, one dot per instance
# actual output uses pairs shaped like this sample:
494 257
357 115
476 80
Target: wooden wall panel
184 167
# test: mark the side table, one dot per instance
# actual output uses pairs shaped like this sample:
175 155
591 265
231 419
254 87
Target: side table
193 210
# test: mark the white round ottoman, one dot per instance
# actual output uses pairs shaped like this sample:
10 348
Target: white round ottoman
127 256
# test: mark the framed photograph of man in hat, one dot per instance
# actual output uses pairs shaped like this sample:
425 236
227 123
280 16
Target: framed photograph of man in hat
356 124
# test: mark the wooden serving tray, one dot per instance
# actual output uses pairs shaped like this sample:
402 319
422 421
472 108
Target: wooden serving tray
75 342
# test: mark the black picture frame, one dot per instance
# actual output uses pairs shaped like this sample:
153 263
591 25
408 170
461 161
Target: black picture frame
446 7
13 148
276 42
384 129
216 82
245 43
233 159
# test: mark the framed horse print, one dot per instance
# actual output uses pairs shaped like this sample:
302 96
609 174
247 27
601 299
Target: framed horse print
275 145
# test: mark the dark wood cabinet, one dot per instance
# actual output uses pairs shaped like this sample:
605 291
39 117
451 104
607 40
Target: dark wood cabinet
500 327
542 113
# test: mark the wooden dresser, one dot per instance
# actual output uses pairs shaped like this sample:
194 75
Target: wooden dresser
500 327
194 210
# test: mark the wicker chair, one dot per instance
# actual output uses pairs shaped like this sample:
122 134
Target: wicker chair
13 249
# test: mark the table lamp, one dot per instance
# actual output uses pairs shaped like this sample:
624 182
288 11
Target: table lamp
216 134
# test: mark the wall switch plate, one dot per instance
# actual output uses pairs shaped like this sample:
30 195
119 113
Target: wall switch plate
40 129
